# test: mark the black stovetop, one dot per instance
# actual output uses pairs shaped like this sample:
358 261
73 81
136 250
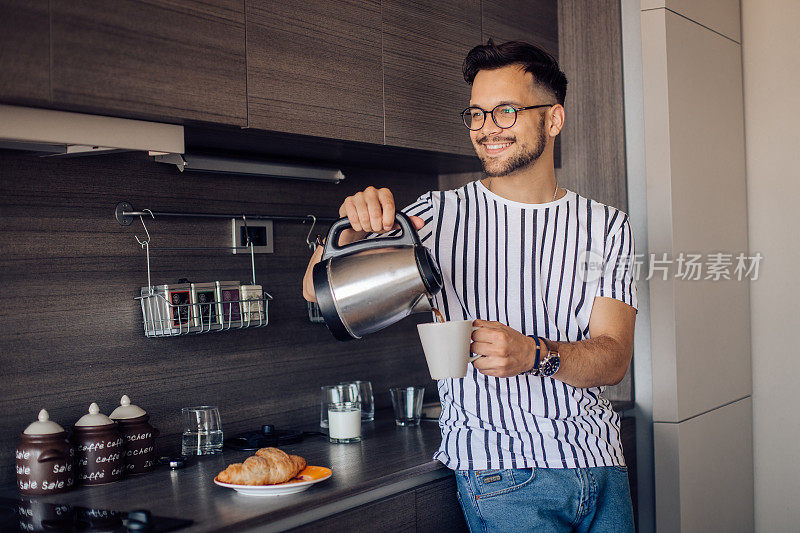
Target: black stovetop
29 513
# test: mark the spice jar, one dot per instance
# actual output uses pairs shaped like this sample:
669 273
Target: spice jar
139 436
44 458
98 445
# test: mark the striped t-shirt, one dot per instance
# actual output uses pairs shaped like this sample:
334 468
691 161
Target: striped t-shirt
536 268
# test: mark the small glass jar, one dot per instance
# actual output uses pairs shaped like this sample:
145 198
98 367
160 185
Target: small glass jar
344 422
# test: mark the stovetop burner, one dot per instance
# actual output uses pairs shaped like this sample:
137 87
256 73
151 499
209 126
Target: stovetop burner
266 436
31 514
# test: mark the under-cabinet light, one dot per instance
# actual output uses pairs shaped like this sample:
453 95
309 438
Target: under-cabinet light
251 167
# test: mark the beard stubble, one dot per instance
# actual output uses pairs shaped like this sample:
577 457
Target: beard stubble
521 160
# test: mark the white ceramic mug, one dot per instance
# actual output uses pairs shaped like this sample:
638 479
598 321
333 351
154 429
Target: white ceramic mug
446 346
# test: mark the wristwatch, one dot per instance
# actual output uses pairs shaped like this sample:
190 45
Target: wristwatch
550 362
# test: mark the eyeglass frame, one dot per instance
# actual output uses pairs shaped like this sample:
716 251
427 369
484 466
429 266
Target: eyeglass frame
516 111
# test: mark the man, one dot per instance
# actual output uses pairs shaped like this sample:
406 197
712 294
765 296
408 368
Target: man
547 276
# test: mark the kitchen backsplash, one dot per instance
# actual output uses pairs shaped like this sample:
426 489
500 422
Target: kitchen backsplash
71 331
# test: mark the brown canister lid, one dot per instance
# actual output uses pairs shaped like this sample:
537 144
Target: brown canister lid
126 410
43 426
94 418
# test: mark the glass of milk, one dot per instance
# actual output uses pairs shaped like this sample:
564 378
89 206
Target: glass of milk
344 422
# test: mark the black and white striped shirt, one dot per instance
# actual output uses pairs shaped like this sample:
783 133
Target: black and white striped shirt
536 268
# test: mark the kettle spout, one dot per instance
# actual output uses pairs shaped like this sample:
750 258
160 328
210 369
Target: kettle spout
422 305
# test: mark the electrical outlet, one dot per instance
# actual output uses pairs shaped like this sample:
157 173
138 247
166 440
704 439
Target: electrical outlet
260 235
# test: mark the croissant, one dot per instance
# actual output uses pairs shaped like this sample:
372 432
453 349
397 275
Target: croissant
269 466
280 455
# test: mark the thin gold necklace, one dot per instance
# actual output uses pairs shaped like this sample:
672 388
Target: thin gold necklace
554 192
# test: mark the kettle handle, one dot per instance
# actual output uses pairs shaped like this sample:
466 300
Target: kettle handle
409 237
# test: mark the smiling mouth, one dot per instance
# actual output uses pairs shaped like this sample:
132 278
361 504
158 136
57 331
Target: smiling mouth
496 148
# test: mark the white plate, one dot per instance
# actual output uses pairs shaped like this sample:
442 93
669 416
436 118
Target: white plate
309 476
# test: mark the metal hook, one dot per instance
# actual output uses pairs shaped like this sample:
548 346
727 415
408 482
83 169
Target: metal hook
311 245
246 231
145 243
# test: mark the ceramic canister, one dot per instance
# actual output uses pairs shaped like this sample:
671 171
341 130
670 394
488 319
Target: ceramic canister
44 458
99 449
139 435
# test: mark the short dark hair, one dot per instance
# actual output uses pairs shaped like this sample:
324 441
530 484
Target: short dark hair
540 64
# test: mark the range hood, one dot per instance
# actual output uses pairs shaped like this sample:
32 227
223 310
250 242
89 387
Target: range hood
62 132
50 132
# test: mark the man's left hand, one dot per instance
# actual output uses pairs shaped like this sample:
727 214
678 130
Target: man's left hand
506 352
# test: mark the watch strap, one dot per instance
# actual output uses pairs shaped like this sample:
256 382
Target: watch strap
537 357
547 344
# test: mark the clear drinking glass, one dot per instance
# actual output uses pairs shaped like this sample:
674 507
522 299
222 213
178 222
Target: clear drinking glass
365 397
344 422
202 431
407 403
335 394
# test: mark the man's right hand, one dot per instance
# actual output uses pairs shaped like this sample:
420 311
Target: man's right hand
371 210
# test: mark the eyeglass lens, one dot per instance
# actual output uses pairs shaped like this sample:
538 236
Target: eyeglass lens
504 116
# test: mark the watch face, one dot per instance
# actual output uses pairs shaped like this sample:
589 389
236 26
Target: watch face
550 366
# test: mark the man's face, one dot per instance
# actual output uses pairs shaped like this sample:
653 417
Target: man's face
503 151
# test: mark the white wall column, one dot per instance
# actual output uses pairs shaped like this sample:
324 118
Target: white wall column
697 204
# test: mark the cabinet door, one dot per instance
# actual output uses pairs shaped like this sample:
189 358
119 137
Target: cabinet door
315 68
393 514
438 508
522 20
24 52
424 45
169 60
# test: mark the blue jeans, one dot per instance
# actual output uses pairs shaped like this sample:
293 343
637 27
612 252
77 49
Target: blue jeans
546 499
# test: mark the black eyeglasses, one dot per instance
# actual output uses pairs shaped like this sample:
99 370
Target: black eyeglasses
504 115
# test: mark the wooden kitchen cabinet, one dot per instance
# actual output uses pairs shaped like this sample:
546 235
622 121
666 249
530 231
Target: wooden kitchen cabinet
438 508
314 68
24 52
429 507
424 45
534 21
165 60
395 513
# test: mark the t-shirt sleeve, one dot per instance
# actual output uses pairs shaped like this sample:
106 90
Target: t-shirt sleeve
421 207
617 280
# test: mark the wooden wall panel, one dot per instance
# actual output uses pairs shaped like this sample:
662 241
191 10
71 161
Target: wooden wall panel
593 138
315 68
168 60
70 329
25 52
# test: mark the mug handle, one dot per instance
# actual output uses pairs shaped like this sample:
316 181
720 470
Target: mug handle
474 357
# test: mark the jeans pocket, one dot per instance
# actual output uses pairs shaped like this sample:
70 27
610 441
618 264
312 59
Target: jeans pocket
491 483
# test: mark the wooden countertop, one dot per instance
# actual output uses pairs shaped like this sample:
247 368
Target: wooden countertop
388 459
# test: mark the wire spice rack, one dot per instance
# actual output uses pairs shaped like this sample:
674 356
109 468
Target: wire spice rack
173 310
163 318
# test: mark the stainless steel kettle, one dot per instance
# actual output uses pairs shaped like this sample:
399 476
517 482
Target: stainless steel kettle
366 285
